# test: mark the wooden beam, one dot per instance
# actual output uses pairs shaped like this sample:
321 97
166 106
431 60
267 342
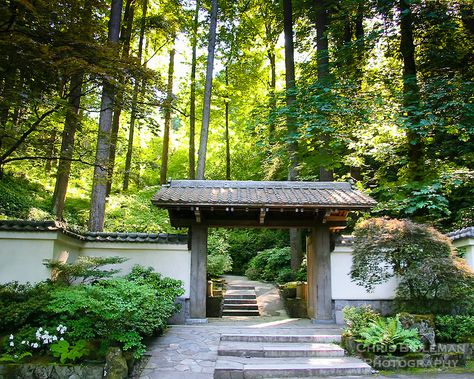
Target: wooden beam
263 212
197 214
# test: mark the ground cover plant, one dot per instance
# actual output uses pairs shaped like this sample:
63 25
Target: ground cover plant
58 320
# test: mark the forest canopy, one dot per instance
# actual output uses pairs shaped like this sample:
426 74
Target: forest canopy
101 99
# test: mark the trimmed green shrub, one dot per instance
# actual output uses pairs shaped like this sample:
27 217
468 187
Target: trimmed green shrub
271 265
454 328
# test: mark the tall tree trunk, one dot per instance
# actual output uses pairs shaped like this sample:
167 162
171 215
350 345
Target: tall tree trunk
168 103
227 138
411 91
71 125
125 37
51 152
272 101
99 186
206 112
192 97
290 85
136 90
295 234
322 44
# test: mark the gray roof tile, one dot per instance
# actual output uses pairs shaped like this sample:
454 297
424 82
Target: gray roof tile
256 194
462 233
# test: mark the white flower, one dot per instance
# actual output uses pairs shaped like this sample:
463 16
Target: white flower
23 342
11 336
40 329
35 345
55 338
11 343
61 339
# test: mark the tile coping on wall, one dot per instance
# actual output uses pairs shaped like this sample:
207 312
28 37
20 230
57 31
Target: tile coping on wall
50 226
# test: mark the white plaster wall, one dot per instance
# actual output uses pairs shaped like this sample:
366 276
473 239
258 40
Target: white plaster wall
173 261
22 255
343 288
468 244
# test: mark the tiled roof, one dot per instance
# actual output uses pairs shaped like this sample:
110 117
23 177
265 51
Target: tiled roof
262 194
49 226
462 233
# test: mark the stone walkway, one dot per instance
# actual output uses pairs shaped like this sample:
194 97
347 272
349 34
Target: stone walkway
190 351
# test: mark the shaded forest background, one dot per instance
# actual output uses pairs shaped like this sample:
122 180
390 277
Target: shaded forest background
101 101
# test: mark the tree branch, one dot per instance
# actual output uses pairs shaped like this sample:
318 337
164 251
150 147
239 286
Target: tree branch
50 159
25 135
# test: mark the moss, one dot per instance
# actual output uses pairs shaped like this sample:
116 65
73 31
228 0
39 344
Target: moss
412 319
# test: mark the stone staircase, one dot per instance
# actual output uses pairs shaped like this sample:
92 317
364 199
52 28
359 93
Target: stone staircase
252 356
240 300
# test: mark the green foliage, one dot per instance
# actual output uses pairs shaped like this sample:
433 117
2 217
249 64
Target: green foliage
388 336
133 212
69 353
13 358
454 328
246 243
83 269
219 260
270 265
23 304
437 285
218 264
358 319
432 278
117 310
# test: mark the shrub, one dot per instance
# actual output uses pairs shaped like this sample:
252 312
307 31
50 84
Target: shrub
83 270
244 244
432 278
23 304
454 328
357 319
116 311
268 264
218 264
219 260
388 336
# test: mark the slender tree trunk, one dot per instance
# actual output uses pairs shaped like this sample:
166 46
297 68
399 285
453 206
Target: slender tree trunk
206 112
125 37
227 138
295 234
272 102
166 134
136 91
99 186
411 91
290 86
192 98
322 24
51 146
71 124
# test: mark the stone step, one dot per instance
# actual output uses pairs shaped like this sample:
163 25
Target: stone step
293 338
240 301
244 306
240 312
239 296
240 287
278 349
253 368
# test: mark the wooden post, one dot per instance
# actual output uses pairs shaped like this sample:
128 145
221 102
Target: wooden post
198 273
319 276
